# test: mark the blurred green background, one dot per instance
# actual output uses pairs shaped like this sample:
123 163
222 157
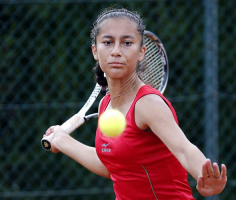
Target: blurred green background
46 77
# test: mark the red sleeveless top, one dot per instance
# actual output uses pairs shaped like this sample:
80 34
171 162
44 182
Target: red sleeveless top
140 165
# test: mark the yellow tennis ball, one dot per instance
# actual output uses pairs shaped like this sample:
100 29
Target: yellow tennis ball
112 123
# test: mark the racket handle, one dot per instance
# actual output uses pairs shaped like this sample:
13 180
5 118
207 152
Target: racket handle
46 142
69 126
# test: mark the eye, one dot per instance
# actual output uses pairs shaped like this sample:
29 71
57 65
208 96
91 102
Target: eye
127 43
107 42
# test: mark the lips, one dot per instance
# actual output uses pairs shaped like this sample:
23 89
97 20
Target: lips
116 64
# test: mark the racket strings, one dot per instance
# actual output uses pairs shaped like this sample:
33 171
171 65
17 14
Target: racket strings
153 64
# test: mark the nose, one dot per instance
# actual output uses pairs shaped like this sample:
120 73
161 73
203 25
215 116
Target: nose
116 51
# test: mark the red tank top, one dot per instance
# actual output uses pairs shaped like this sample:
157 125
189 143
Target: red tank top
140 165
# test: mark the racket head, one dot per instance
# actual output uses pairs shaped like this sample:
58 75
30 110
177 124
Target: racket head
154 68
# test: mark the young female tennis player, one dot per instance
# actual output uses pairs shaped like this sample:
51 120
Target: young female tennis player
152 158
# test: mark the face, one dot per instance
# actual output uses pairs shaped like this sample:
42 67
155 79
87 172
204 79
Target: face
118 47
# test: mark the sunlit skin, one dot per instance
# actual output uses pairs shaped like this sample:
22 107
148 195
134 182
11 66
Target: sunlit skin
118 49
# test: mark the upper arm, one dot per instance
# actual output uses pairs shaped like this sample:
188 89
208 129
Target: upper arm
152 112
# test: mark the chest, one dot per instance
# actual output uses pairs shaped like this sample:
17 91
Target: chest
115 151
130 150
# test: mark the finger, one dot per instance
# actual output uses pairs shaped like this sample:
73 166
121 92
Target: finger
54 150
209 168
50 130
223 171
216 170
204 171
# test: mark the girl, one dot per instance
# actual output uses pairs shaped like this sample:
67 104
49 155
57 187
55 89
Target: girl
152 158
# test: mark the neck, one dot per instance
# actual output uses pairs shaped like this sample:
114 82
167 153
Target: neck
123 89
124 93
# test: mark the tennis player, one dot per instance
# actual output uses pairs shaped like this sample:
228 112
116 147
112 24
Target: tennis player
152 158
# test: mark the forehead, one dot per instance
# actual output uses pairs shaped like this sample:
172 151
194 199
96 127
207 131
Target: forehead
119 25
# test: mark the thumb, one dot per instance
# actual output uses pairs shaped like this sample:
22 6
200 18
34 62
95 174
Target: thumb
200 183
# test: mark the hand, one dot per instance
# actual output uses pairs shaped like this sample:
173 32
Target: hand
212 181
56 131
49 131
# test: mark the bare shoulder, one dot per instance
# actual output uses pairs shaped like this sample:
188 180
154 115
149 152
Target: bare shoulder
150 109
152 102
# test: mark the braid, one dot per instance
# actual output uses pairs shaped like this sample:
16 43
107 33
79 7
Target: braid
99 75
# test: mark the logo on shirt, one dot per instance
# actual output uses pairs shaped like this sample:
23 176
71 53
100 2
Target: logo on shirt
105 145
106 150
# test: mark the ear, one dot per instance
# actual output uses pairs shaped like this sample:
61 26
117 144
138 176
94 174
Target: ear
142 53
94 50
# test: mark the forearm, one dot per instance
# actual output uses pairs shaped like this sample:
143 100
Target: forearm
192 159
83 154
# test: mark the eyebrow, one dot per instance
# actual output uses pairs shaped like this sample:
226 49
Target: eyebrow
123 37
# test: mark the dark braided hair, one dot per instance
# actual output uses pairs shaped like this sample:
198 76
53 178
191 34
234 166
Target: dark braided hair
108 14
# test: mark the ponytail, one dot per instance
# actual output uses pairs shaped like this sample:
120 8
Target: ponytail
100 79
99 75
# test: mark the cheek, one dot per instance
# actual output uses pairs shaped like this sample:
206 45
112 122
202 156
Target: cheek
101 53
101 56
135 56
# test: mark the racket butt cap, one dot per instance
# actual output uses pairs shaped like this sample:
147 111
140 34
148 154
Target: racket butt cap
46 144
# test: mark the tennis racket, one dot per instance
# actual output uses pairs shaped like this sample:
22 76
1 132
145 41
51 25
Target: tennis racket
154 70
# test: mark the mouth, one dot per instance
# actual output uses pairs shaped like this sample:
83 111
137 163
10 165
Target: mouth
116 64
